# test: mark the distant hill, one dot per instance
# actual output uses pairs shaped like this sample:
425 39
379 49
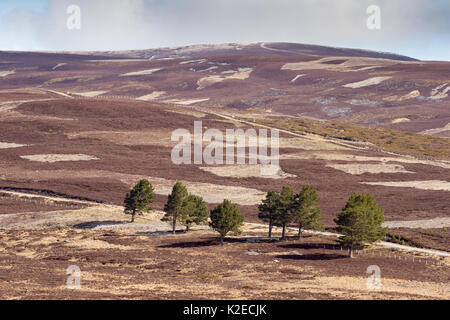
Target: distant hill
356 86
266 48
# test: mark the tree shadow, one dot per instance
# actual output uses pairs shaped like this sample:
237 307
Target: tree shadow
313 256
159 233
257 239
204 243
94 224
309 246
191 244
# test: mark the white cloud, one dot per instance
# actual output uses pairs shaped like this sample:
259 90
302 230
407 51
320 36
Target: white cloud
19 30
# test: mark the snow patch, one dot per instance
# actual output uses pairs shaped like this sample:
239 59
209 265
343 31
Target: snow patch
242 74
152 96
186 102
52 158
439 92
349 64
297 77
365 103
89 94
194 61
208 69
247 171
400 120
141 73
437 185
228 71
411 95
366 83
426 223
361 168
6 145
6 73
59 65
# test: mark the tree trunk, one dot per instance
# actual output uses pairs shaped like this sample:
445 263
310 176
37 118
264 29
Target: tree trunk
187 228
299 236
283 234
270 229
132 216
174 224
350 251
221 241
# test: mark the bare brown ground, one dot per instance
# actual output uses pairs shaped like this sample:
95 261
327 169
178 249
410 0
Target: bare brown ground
11 205
192 266
154 265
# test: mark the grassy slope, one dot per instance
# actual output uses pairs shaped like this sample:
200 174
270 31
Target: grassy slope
387 139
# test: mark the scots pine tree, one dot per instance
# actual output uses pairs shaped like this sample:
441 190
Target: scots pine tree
284 207
175 206
268 209
139 199
225 218
360 221
195 211
305 211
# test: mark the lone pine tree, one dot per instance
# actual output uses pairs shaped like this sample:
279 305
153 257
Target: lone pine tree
268 209
139 199
360 221
175 206
305 210
225 218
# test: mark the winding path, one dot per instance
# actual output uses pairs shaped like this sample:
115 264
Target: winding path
380 243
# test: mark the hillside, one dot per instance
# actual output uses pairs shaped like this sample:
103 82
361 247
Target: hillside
78 130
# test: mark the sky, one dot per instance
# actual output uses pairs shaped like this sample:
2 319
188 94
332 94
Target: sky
416 28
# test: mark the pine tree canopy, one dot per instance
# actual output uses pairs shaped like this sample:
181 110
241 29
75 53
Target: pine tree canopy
139 199
176 201
269 206
225 218
195 211
306 212
360 221
285 203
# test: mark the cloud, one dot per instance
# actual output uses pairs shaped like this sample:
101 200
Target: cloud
17 36
415 27
105 24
